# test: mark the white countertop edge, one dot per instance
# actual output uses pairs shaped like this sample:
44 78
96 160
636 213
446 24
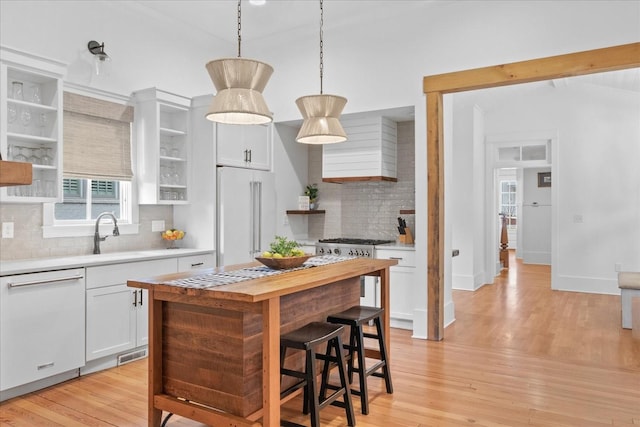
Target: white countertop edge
396 246
12 267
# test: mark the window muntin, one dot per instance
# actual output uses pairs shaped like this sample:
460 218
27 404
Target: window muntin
508 205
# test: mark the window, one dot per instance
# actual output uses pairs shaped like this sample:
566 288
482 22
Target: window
508 204
97 167
79 204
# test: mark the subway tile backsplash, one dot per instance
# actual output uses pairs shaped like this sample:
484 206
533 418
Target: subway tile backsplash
28 243
365 209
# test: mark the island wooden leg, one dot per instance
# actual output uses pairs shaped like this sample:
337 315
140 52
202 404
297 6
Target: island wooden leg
155 359
386 305
271 362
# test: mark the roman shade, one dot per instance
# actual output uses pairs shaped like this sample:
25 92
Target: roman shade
97 138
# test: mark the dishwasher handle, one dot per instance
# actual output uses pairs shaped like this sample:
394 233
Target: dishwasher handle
44 281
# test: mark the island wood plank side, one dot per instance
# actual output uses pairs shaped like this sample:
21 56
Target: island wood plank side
214 355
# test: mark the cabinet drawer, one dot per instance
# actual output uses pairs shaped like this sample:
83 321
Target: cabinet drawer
405 258
106 275
196 262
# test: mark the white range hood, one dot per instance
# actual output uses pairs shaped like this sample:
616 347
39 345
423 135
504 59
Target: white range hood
369 154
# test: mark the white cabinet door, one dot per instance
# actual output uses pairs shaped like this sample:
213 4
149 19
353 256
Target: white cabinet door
244 146
41 325
402 293
117 315
258 143
111 320
142 317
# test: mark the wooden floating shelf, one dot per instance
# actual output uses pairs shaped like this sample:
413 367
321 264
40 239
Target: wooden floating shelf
407 211
309 212
15 173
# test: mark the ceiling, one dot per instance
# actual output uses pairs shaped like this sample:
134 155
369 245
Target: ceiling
218 18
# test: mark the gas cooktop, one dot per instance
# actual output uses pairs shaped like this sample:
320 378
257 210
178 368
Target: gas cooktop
350 241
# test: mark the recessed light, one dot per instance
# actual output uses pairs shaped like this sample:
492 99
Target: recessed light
257 2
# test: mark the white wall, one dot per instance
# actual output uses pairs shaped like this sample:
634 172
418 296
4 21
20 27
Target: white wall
598 178
377 66
597 224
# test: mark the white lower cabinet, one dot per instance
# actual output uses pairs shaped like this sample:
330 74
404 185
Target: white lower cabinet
402 286
117 316
112 321
41 326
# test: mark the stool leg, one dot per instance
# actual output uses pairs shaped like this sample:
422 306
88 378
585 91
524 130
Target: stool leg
383 355
353 337
325 373
362 372
312 393
348 404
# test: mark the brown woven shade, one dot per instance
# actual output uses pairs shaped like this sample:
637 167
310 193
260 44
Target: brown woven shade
97 139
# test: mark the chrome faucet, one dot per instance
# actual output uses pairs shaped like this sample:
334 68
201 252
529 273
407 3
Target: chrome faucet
96 236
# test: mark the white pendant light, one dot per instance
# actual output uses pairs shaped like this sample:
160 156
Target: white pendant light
321 113
239 83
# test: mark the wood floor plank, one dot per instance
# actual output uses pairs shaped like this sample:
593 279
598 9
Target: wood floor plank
518 354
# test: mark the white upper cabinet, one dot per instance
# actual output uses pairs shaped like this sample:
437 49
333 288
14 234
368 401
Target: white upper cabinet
31 123
163 154
245 146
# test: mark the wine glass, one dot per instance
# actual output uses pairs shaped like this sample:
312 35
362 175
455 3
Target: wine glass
34 156
46 157
17 153
16 88
37 99
25 118
12 114
42 123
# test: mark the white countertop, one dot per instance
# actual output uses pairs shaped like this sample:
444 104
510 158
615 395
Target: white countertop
8 268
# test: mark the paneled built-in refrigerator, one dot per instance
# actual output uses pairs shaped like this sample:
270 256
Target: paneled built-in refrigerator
246 213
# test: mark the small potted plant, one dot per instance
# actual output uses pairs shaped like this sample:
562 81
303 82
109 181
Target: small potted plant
312 192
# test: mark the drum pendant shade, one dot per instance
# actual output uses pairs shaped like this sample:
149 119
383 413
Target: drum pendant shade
321 115
239 83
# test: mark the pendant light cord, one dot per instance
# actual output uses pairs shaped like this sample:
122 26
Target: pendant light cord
321 45
239 27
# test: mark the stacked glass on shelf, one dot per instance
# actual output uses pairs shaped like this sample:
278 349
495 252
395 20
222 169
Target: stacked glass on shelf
21 118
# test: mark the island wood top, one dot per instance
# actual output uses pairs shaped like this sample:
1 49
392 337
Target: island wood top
264 288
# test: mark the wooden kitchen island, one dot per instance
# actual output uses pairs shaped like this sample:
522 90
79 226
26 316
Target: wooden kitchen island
214 353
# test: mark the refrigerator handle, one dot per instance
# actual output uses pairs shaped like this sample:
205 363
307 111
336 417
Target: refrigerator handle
252 221
258 234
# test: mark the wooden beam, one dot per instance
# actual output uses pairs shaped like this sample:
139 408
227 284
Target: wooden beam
552 67
435 217
573 64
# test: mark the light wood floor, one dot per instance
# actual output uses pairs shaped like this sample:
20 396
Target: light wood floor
518 354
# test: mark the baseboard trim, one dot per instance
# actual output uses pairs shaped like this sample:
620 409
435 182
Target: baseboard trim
590 285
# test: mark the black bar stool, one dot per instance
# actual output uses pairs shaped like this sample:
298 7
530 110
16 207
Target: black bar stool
308 338
355 317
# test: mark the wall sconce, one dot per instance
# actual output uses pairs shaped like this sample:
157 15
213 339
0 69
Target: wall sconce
101 59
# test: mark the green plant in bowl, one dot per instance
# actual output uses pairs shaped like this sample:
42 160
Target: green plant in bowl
283 253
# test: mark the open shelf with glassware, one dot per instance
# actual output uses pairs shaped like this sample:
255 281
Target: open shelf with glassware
31 130
162 125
